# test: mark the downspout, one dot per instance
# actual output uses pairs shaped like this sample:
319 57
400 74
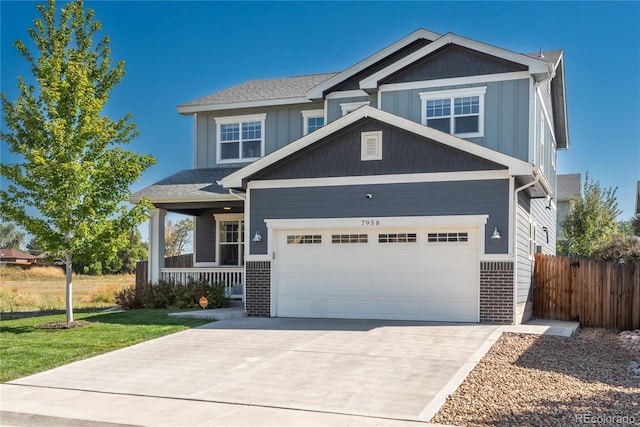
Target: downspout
236 195
515 241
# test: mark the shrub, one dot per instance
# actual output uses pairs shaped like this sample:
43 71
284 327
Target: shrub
129 298
619 249
93 269
160 295
188 295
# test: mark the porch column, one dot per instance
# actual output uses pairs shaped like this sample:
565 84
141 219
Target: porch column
156 244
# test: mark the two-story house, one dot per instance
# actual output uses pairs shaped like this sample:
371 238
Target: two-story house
416 184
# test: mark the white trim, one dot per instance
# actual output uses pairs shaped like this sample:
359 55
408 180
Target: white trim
545 112
496 257
515 166
317 91
185 199
386 222
532 120
535 65
512 212
454 81
190 109
195 139
348 107
346 94
236 217
309 114
240 120
365 139
380 179
451 94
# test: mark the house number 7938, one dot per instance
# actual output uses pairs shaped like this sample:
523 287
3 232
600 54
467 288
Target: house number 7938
370 222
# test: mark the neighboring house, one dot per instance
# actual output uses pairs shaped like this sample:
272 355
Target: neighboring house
15 257
569 187
412 185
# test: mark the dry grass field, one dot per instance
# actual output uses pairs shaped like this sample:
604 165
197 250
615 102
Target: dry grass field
43 288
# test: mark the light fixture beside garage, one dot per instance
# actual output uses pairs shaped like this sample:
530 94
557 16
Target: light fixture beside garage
257 237
495 236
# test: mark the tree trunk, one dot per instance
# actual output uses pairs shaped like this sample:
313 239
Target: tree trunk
69 293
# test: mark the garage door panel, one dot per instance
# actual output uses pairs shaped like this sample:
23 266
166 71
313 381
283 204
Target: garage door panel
417 280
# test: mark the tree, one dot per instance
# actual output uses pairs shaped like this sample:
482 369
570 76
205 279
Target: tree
34 247
177 237
69 187
10 237
591 222
635 224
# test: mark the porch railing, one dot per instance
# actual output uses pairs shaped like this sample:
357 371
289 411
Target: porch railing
233 277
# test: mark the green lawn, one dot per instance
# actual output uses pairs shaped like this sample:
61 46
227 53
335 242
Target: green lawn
26 350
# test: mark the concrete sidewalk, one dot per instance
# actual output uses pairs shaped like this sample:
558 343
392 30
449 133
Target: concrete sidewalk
261 372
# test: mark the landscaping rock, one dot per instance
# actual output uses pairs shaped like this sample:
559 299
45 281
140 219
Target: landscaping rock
530 380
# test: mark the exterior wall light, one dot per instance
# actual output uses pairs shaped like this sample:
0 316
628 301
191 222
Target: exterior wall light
257 237
495 236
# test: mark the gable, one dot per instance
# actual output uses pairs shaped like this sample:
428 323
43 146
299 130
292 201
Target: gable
353 83
453 61
403 152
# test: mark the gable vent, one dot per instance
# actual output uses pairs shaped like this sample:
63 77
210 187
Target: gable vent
371 146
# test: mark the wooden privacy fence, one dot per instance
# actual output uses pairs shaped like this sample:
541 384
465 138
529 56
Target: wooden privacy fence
595 293
178 261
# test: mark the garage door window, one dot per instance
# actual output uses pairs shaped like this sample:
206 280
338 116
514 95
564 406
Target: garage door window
349 238
304 239
397 238
447 237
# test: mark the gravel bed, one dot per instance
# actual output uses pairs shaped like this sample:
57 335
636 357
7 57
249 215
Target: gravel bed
531 380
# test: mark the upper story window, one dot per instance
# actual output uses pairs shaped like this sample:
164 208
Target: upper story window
240 138
312 119
459 112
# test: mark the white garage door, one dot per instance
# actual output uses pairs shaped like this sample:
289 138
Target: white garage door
409 274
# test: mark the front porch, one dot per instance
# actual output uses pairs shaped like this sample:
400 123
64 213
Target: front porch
232 277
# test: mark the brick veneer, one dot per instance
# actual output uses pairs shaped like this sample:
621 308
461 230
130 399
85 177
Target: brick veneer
496 292
258 288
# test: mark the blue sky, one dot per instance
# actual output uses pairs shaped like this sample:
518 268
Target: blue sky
179 51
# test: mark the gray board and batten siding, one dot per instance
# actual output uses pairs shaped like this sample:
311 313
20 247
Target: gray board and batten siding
506 113
283 125
483 197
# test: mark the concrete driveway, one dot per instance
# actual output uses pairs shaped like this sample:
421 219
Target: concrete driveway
257 371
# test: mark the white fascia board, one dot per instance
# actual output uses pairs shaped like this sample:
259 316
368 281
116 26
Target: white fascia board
535 65
455 81
190 109
187 199
547 117
515 166
385 222
346 94
381 179
317 91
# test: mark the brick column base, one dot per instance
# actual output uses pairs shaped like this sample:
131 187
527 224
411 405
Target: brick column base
258 288
496 292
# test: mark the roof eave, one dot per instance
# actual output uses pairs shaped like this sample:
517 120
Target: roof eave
187 109
318 91
535 66
186 199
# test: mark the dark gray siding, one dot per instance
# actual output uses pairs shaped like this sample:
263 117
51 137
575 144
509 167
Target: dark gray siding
402 152
506 113
354 81
204 240
487 197
453 61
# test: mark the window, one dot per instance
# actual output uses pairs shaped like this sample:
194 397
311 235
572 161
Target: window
305 239
231 242
371 145
313 120
348 107
459 112
447 237
349 238
397 238
240 138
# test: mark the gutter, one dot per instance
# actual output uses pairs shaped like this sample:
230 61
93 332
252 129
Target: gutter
537 176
